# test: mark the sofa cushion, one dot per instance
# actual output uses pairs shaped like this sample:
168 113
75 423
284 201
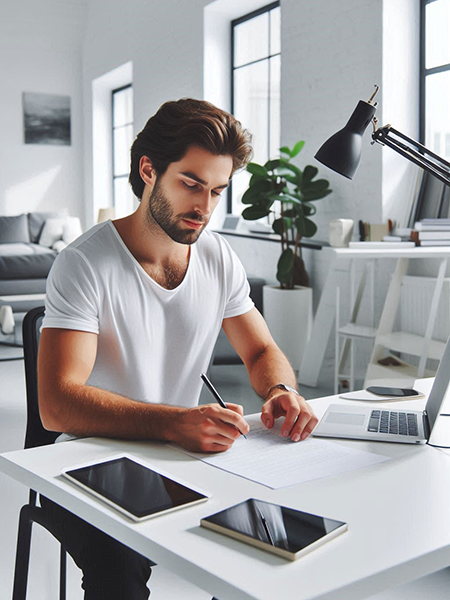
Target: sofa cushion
36 222
14 229
72 229
52 231
19 287
25 261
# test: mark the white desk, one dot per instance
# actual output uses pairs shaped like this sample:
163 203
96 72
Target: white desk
398 515
326 310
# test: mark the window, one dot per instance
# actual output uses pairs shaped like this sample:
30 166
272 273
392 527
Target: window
255 97
434 196
435 96
122 138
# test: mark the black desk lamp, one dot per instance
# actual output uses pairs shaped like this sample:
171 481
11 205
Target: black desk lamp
342 151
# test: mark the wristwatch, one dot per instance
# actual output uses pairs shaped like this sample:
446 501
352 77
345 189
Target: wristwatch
283 386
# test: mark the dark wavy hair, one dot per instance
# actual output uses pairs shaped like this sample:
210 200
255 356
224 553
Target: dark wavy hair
180 124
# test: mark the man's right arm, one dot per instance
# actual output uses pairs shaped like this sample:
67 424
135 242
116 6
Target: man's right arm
66 403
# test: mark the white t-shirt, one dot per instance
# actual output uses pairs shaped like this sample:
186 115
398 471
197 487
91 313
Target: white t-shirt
153 343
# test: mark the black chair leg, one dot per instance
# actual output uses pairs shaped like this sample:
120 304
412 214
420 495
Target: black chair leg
22 557
62 574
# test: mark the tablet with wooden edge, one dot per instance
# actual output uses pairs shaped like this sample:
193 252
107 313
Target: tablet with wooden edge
134 488
284 531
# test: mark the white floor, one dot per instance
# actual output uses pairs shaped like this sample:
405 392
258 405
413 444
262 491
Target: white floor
43 578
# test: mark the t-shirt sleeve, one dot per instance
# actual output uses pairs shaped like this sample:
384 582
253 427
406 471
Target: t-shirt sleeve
238 288
71 296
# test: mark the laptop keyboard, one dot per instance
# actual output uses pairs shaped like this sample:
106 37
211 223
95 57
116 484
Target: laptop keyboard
389 421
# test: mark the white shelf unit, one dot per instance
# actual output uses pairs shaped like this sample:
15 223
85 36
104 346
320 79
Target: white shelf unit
347 336
387 340
411 343
401 375
334 259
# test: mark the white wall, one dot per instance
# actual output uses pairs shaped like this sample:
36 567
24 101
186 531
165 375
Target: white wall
102 139
331 57
400 102
40 52
163 40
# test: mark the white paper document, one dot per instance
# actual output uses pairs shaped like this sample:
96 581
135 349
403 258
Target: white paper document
272 460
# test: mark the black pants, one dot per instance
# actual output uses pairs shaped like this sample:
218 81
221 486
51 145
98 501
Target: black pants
111 571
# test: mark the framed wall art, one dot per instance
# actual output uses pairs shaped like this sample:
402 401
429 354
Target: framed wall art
46 119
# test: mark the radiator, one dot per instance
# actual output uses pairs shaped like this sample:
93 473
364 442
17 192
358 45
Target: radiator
415 302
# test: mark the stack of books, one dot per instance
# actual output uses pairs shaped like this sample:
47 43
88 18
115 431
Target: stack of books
432 232
379 236
401 235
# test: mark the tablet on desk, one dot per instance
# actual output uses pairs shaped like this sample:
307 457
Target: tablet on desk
135 489
284 531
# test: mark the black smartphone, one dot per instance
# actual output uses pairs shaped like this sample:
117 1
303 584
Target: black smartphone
391 391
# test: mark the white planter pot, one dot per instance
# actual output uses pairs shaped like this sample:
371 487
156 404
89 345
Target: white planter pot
288 314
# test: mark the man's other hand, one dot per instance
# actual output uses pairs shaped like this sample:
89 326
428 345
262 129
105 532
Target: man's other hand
210 428
299 420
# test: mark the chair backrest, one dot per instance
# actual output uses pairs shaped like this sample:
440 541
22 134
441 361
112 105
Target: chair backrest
36 434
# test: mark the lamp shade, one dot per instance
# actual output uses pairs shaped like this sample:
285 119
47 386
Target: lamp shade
342 151
106 213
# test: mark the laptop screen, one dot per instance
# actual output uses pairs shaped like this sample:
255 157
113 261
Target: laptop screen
440 388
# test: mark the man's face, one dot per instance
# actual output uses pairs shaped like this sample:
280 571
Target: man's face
184 198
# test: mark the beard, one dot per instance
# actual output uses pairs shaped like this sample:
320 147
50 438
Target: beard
161 213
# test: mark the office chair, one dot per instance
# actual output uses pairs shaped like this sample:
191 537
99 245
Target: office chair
35 436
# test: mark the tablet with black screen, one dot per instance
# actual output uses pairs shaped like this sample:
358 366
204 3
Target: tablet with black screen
134 488
284 531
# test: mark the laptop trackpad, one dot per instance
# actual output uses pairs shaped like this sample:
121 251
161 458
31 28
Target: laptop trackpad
345 418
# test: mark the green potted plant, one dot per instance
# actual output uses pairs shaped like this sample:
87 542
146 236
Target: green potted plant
294 191
288 194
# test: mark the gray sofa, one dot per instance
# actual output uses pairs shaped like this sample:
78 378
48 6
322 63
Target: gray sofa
24 264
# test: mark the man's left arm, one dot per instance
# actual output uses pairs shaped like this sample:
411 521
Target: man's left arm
267 366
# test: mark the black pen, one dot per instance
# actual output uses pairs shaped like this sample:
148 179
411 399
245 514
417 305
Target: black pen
265 525
216 395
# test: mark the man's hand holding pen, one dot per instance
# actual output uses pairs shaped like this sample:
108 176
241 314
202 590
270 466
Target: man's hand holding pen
209 428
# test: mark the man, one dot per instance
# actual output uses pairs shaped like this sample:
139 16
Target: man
133 311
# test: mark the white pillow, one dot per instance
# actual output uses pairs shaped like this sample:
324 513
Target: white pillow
58 246
71 230
52 231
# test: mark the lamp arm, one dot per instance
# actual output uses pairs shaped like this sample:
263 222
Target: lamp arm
435 165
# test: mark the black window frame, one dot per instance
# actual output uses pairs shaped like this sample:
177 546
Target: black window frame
234 23
114 177
433 198
424 72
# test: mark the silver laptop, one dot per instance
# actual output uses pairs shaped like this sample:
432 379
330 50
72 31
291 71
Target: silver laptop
388 425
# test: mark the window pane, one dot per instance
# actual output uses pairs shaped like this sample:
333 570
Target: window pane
123 138
124 201
437 114
251 40
251 105
275 65
123 107
257 90
275 28
240 184
437 20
